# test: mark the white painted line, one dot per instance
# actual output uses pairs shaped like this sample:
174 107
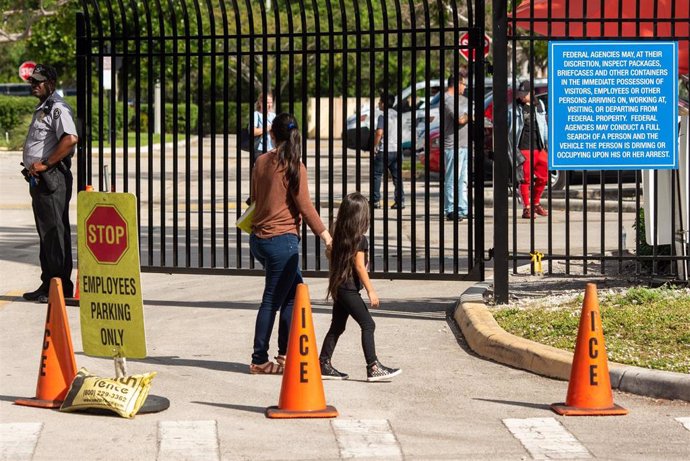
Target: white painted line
546 438
188 440
685 422
366 438
18 440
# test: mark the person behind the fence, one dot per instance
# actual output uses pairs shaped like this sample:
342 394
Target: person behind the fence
529 141
455 207
259 129
46 158
386 156
280 193
347 275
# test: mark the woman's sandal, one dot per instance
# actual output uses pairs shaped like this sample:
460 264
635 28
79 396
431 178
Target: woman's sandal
268 368
281 360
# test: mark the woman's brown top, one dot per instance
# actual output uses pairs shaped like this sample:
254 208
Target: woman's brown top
277 210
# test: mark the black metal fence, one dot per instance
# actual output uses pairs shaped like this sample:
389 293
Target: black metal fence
596 220
166 89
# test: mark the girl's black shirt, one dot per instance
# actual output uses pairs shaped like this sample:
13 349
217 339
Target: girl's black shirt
354 283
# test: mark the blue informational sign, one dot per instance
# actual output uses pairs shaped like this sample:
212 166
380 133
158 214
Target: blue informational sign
613 105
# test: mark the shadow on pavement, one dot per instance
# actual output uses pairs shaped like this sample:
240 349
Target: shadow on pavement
540 406
422 309
234 367
230 406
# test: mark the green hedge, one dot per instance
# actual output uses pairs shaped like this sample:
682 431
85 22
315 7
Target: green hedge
143 117
13 110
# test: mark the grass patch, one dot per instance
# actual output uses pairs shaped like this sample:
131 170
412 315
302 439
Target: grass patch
644 327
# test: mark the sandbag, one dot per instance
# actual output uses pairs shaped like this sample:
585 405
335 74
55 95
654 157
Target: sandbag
123 396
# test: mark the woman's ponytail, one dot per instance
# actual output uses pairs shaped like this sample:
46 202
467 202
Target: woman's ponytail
289 143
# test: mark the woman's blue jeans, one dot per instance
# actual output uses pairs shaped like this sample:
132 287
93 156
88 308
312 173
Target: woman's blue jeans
280 257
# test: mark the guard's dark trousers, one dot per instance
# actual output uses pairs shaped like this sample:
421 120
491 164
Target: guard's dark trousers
51 213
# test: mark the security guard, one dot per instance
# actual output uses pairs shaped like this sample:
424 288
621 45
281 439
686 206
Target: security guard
47 160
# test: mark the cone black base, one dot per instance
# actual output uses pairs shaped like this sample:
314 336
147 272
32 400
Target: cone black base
277 413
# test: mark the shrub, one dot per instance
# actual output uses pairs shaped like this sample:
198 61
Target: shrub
13 109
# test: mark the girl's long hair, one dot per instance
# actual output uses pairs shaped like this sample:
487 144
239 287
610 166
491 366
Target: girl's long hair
349 228
289 146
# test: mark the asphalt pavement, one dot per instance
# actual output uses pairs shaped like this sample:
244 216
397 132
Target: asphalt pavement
449 403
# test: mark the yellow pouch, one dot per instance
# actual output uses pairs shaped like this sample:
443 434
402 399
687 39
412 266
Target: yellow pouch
245 221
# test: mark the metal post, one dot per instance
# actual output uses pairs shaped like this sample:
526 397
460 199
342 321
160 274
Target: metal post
478 135
500 49
82 48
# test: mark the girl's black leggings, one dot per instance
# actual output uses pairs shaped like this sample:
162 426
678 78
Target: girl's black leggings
350 303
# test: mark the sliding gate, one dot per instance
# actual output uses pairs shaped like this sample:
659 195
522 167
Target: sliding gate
167 89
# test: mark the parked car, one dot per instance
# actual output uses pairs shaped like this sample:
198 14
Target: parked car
404 109
435 144
435 153
15 89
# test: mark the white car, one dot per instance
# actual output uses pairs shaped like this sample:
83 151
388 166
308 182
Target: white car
366 135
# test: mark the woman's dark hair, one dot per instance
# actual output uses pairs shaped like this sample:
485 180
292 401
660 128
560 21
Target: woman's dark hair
289 147
349 228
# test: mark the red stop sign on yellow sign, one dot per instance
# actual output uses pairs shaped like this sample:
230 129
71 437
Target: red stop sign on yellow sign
106 234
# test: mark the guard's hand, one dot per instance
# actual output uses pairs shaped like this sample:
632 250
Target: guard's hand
37 167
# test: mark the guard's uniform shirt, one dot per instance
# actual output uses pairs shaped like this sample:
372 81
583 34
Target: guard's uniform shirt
52 119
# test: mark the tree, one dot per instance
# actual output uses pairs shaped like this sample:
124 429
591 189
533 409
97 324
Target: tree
18 23
41 31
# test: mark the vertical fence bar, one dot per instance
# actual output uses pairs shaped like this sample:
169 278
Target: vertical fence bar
175 132
500 131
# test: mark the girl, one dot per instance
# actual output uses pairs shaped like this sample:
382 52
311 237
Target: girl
281 195
348 274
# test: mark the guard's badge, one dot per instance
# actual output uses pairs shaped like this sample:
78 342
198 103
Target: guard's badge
56 113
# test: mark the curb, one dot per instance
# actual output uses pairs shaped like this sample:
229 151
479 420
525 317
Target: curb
487 339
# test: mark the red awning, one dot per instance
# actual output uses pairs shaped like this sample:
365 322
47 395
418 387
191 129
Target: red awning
664 29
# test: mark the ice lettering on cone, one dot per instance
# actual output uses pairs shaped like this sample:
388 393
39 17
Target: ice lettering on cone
57 366
589 388
301 393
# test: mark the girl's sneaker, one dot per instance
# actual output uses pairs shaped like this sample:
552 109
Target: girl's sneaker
378 372
328 372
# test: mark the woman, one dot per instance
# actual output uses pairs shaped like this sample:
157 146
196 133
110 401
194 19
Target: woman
260 130
280 192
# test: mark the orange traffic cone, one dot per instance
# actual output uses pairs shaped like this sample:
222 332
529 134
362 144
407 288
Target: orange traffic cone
301 394
57 367
589 389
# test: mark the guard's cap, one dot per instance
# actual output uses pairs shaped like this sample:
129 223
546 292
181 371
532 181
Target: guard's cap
43 72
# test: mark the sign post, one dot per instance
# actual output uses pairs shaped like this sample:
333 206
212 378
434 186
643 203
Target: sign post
111 306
